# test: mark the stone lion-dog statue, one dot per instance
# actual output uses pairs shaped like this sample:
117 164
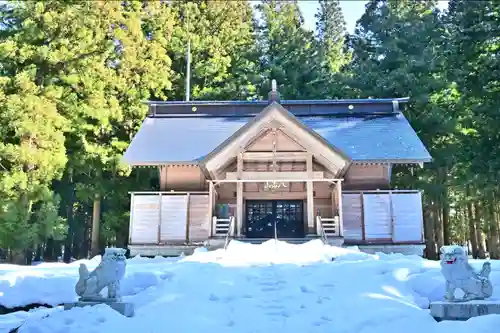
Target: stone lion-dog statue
459 274
108 274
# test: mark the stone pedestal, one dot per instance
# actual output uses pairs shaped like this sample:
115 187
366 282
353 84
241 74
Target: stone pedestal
463 310
126 309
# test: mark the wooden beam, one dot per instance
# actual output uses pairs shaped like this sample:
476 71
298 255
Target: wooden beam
258 175
163 177
329 180
341 215
159 218
275 195
362 204
310 194
391 212
280 156
131 220
382 191
210 204
168 192
187 216
239 196
334 203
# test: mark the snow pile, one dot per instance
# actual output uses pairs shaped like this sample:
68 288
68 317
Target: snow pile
54 283
251 288
275 252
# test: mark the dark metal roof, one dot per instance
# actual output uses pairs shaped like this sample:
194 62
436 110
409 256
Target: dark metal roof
347 107
284 102
364 138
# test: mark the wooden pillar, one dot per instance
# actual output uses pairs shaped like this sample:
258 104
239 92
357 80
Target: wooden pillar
159 217
341 219
188 203
211 206
239 196
131 220
310 196
163 177
334 202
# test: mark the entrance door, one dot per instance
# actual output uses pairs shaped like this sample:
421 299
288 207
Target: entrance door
266 216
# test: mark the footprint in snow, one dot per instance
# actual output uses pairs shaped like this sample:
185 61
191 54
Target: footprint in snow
272 307
321 299
69 321
270 283
327 285
281 313
306 290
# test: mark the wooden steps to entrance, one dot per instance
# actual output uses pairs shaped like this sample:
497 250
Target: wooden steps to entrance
262 240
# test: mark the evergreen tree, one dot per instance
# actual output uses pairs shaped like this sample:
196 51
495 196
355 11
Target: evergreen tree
331 33
289 53
223 50
474 65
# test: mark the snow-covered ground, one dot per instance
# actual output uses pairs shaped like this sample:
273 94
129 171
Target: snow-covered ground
248 288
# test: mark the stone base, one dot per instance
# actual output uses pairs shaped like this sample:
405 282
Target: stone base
463 310
126 309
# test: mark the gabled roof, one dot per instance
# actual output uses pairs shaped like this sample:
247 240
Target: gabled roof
274 115
365 130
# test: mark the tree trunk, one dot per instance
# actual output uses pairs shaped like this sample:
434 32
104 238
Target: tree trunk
70 215
83 244
96 221
18 257
38 253
48 254
492 232
438 225
472 228
430 244
481 253
445 208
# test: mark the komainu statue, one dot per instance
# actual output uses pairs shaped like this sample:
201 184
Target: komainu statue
459 274
108 274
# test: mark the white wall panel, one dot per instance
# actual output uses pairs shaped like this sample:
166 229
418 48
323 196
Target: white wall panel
377 214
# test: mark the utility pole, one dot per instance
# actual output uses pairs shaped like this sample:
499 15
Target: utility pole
188 58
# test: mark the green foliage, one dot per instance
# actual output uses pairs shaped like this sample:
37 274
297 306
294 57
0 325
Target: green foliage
223 50
331 33
288 52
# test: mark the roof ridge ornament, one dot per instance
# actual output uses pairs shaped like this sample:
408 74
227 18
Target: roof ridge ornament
274 95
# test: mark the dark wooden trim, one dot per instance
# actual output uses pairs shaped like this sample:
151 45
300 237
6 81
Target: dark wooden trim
363 228
188 203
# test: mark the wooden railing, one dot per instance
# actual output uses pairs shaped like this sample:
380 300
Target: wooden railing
230 232
320 230
222 227
328 227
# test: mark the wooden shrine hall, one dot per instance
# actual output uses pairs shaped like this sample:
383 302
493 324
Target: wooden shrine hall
294 170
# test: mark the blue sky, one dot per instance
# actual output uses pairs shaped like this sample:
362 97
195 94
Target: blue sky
352 11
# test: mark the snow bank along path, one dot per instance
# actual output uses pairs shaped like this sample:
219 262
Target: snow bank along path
248 288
